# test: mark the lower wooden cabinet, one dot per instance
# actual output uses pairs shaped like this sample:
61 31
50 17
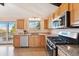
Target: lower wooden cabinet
37 41
20 41
42 40
16 41
32 41
29 41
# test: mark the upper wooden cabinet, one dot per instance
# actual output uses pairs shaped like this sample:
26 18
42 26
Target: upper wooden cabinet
56 14
74 9
46 23
64 7
20 24
59 11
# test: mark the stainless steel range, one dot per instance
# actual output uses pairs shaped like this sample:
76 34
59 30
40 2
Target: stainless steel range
60 40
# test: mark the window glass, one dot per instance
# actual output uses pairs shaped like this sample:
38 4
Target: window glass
34 24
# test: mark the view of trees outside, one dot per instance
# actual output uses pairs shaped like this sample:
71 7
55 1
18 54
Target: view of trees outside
34 25
6 27
12 30
3 31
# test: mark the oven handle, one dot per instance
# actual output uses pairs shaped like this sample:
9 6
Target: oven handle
49 46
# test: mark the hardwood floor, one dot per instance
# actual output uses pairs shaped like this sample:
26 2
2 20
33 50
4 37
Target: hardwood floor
9 50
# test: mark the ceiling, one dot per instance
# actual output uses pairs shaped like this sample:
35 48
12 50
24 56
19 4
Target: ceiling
26 10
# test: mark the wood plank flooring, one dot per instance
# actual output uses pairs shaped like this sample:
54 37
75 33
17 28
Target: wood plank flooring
9 50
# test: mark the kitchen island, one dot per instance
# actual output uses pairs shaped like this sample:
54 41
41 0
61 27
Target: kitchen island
29 40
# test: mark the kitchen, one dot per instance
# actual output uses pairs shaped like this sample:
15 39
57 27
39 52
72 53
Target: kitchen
57 33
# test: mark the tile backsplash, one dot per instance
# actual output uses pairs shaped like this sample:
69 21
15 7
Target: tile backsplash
73 31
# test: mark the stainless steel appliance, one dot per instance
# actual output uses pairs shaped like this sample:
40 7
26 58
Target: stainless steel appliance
51 48
62 21
24 41
63 39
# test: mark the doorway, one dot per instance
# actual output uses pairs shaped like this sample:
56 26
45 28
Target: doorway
7 30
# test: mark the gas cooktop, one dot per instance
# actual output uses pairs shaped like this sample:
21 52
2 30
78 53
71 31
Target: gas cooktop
61 41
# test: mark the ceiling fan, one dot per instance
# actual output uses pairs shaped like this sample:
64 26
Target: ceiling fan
2 4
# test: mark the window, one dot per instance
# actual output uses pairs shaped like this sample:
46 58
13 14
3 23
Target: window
34 24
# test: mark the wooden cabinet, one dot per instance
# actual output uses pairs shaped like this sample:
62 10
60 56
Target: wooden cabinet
56 14
29 41
20 41
36 41
42 40
16 41
20 24
32 41
74 9
64 7
60 10
46 21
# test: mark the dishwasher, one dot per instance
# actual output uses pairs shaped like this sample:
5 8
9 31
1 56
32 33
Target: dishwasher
23 41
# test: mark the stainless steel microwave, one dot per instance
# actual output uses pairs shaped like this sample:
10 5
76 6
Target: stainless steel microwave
62 21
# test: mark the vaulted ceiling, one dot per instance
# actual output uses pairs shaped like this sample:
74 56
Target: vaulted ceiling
25 10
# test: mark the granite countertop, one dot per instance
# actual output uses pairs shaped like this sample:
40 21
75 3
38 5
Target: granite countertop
21 34
69 50
31 34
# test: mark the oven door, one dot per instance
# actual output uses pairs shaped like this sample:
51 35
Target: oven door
52 51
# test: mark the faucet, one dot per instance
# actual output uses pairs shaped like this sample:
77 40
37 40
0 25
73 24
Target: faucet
25 32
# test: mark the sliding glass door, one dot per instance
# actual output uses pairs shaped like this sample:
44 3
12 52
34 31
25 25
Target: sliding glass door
11 31
3 32
7 30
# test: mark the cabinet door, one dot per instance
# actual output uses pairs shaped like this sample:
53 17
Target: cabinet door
20 24
56 14
42 41
75 12
64 7
74 8
31 41
36 41
23 41
71 13
16 41
46 24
